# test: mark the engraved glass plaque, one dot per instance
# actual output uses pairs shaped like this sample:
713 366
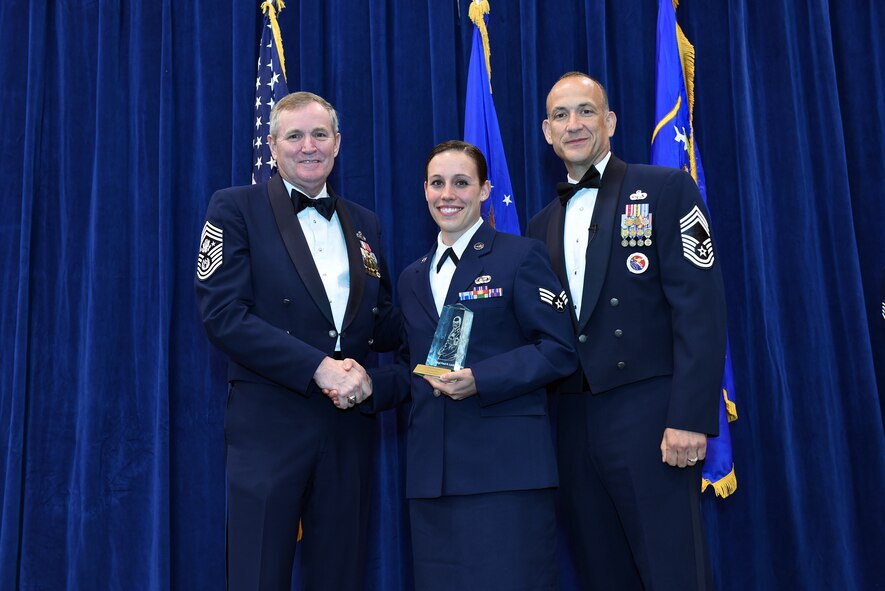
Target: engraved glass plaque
449 347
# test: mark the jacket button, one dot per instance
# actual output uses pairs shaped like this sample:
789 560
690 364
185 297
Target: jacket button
371 342
618 332
621 365
614 302
582 338
286 301
287 332
333 333
375 310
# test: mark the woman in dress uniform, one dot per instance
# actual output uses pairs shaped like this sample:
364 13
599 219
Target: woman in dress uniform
481 468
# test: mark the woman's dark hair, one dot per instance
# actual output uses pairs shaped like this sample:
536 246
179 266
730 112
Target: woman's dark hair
482 169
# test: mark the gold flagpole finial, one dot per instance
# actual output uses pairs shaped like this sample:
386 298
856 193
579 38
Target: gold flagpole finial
267 7
478 10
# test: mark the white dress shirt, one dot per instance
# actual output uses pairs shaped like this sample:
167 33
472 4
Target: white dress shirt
325 239
439 282
576 236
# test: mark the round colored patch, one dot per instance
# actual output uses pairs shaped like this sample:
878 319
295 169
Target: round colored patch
637 263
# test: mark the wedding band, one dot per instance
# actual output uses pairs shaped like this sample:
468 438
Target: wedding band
692 460
352 400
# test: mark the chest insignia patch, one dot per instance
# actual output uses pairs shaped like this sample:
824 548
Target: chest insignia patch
637 263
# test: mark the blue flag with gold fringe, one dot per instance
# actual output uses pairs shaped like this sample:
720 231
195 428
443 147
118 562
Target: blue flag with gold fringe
481 126
674 144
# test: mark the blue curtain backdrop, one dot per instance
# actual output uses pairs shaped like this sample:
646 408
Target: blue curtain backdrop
119 119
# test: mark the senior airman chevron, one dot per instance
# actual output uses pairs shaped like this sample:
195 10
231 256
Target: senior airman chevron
557 302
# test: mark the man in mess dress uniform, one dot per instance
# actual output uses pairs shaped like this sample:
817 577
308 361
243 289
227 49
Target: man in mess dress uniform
293 288
633 250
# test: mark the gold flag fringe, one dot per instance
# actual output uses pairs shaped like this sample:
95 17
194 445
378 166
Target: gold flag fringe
724 486
267 7
478 9
686 56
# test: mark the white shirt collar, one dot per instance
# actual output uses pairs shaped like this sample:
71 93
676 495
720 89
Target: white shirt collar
289 186
600 166
460 244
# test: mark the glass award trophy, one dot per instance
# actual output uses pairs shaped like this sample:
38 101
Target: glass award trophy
449 347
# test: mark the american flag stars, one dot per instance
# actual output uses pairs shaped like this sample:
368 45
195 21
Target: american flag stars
270 87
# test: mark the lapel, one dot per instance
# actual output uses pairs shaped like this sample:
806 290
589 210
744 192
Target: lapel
296 245
556 249
599 247
354 260
555 232
421 284
470 265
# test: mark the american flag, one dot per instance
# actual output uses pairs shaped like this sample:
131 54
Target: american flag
270 86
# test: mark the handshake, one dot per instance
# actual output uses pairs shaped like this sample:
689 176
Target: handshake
345 382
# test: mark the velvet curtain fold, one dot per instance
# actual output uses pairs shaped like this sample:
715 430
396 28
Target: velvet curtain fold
119 119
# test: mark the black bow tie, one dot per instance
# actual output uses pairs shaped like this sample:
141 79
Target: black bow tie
325 206
590 180
449 253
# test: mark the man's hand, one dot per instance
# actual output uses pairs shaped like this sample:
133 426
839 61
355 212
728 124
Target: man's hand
457 385
345 382
683 448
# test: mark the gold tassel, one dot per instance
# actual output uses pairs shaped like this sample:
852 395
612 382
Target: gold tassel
478 9
724 486
731 408
267 7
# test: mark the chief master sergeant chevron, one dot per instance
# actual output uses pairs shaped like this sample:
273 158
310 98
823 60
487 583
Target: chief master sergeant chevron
292 287
632 246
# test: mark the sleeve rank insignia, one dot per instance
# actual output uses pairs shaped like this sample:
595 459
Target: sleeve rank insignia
697 246
557 302
211 250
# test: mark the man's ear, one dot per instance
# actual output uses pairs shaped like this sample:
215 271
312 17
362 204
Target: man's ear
545 127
